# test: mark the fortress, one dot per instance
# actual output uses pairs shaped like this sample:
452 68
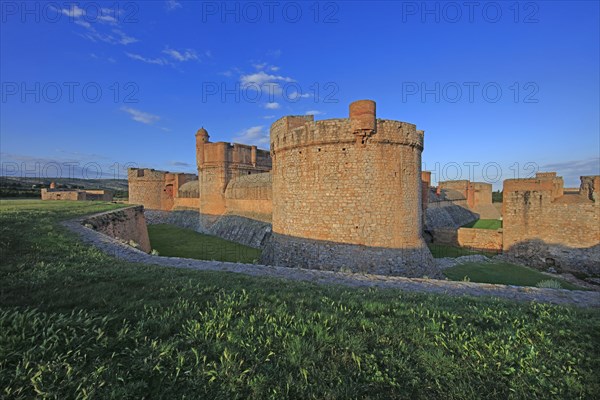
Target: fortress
349 194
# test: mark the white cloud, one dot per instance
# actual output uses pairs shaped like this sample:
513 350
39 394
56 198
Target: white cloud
296 95
140 116
123 38
105 16
268 117
185 55
272 106
83 23
79 16
274 68
256 135
157 61
73 12
260 78
259 66
120 38
172 5
314 112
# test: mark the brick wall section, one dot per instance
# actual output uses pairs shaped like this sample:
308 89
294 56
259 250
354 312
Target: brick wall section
182 203
125 224
480 239
53 194
328 186
480 193
155 190
537 209
338 181
478 196
454 190
476 193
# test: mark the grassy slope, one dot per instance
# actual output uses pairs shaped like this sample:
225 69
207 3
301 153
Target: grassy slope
501 272
485 224
174 241
75 322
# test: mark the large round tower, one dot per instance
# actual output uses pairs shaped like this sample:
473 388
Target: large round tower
347 194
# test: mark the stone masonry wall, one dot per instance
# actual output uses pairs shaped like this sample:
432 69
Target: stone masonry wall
356 184
146 187
72 195
536 209
218 164
126 224
326 186
77 194
480 239
250 196
192 203
155 190
448 214
547 227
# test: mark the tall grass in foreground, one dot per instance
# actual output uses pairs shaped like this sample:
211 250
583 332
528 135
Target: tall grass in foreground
75 323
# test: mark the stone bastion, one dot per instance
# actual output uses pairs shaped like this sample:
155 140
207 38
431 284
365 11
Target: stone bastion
347 194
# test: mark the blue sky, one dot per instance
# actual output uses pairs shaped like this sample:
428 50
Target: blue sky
502 86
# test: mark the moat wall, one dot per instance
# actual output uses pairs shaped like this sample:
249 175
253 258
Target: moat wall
126 224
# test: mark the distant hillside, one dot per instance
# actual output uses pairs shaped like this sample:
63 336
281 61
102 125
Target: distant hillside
12 186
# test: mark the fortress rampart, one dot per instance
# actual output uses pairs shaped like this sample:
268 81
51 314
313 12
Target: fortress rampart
219 163
539 209
347 193
155 190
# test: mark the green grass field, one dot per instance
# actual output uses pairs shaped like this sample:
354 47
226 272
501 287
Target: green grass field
174 241
484 224
442 250
76 323
503 273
